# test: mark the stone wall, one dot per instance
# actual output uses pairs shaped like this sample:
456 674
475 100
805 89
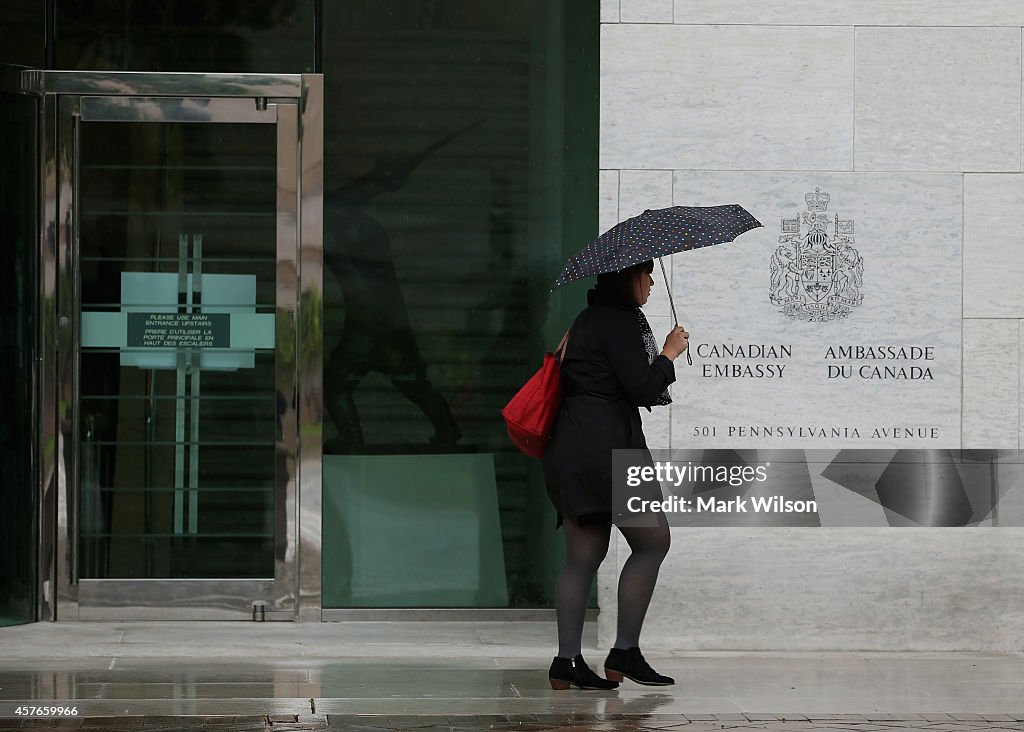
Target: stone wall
908 117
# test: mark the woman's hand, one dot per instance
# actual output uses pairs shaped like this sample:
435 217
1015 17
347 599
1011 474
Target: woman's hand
675 343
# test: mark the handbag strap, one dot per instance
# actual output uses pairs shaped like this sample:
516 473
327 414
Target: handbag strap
560 351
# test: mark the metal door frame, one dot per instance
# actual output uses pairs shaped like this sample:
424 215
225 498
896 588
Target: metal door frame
295 591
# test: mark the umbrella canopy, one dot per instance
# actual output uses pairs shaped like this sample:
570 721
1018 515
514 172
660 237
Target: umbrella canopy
656 233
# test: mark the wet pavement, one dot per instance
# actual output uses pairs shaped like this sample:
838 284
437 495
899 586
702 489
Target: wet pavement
535 723
459 724
463 676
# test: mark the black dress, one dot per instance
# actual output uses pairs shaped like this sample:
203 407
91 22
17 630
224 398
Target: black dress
606 377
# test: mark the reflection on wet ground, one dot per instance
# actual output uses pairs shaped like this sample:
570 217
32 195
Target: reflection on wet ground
540 723
440 676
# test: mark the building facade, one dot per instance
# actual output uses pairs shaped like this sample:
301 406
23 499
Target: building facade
262 324
277 271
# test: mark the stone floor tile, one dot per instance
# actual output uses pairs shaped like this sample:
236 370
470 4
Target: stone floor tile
349 719
158 721
125 722
563 720
482 722
666 722
415 721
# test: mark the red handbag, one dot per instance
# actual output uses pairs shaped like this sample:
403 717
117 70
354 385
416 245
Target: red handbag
530 414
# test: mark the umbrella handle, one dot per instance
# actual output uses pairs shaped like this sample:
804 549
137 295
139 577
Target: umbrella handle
675 318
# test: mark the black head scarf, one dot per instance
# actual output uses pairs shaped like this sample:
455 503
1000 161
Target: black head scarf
615 290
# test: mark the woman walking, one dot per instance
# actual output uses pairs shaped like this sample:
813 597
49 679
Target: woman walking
611 366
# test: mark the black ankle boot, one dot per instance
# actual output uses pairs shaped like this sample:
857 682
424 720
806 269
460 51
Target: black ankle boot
631 664
566 672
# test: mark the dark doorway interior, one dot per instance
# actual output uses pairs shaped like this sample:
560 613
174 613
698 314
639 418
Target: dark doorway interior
18 517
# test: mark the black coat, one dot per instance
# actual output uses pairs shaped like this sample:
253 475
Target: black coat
606 377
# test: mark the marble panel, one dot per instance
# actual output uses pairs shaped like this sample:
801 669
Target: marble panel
660 304
839 589
938 99
839 506
608 199
891 278
852 12
1020 419
609 11
649 189
645 11
643 189
1009 481
726 97
991 385
993 254
607 590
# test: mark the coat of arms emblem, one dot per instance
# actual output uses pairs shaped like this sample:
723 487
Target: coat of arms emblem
816 272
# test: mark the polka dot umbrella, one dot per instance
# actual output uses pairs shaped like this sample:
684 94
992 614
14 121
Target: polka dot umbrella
657 233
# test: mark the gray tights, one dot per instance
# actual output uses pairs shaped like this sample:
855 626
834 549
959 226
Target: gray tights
585 548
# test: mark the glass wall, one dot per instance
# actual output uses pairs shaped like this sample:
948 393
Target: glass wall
268 36
18 516
461 169
24 26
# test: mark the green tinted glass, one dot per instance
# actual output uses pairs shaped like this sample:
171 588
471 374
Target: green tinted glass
461 169
268 36
24 33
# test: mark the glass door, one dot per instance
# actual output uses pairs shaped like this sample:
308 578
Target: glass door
177 303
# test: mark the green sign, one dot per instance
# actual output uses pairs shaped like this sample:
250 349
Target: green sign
179 330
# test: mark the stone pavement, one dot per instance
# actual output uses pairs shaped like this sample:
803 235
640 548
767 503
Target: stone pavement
536 723
471 675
